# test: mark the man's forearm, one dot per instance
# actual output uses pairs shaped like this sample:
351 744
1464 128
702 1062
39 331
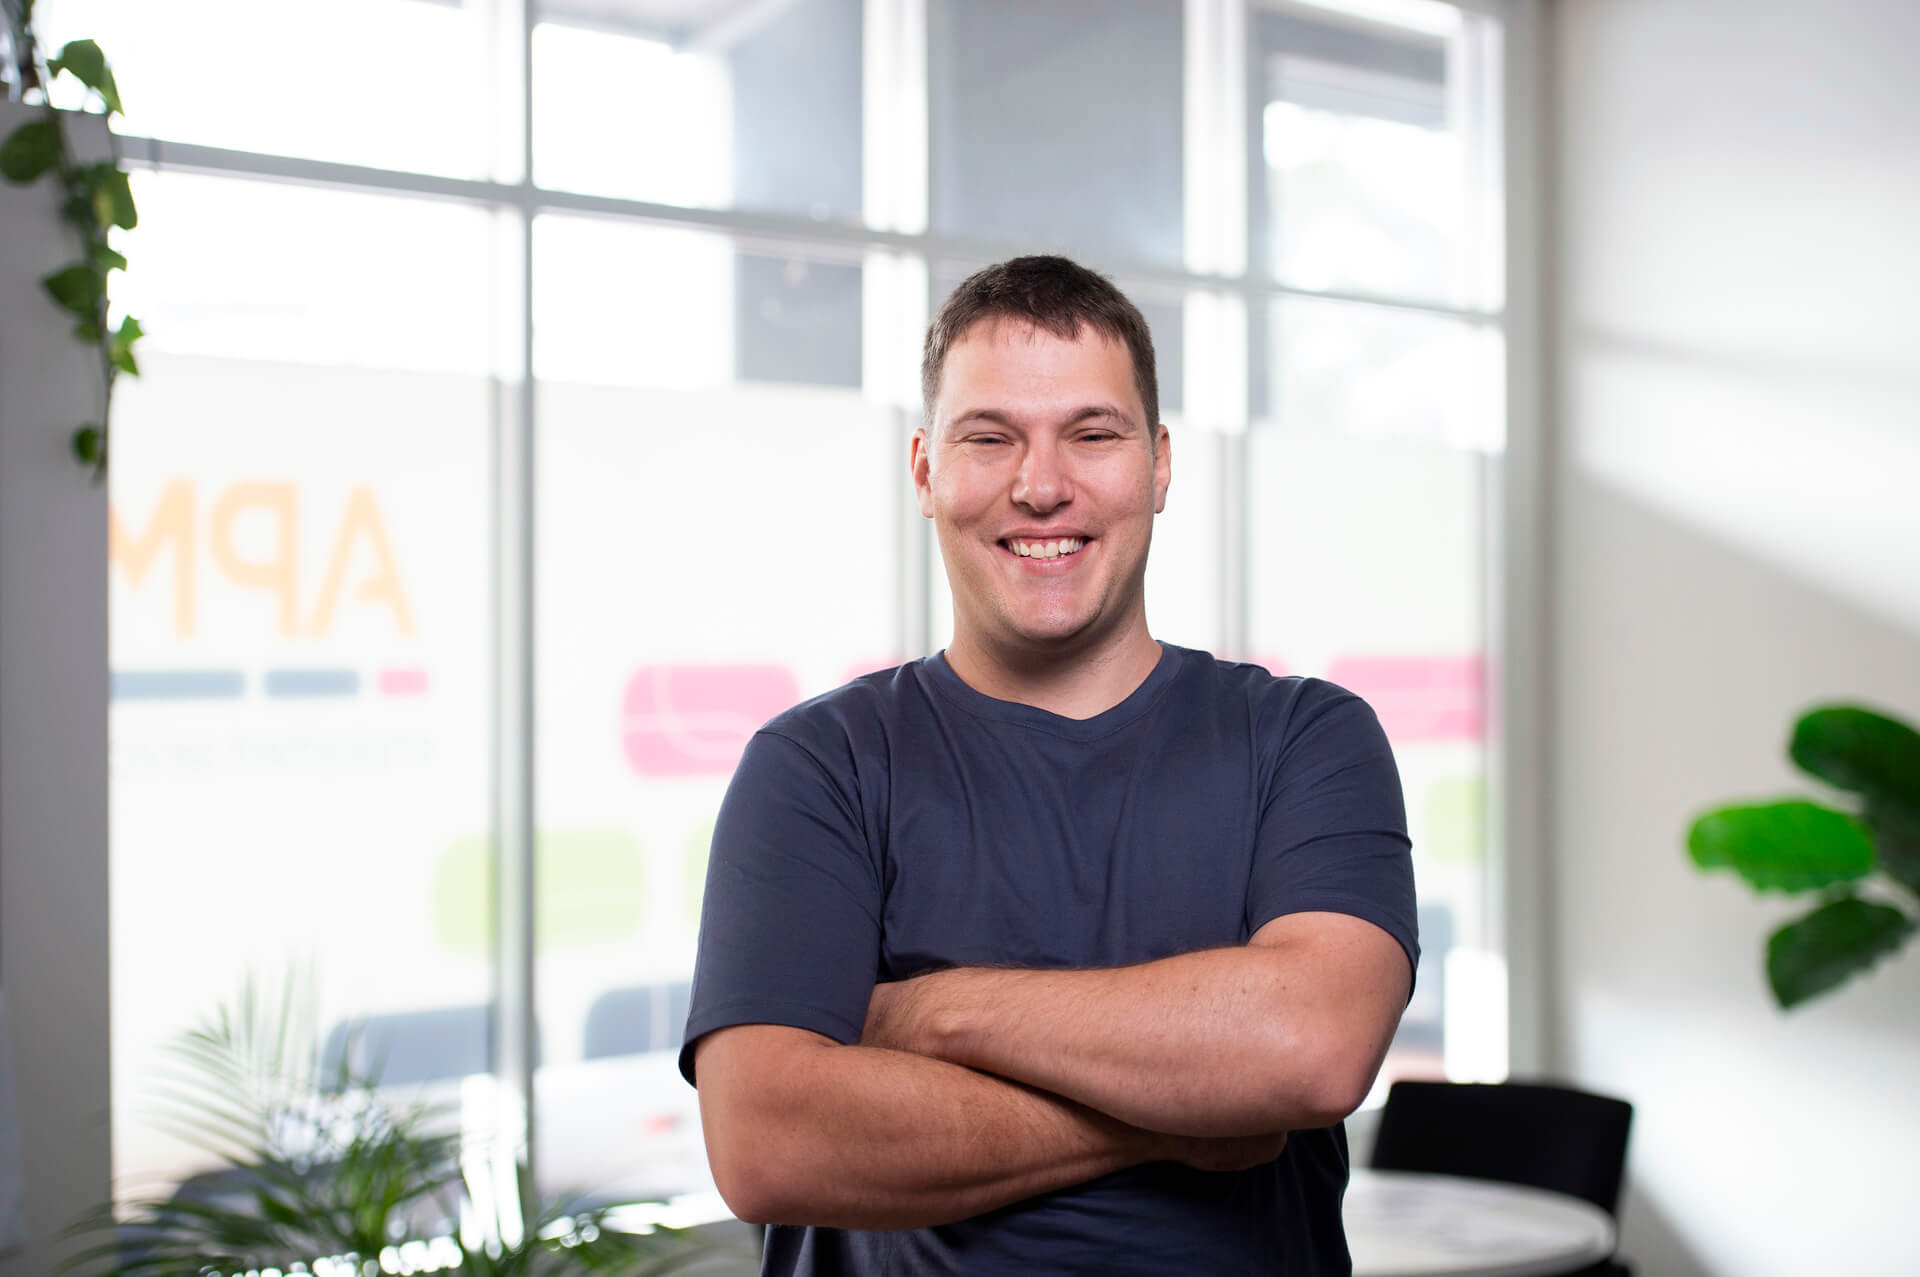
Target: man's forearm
1222 1042
807 1131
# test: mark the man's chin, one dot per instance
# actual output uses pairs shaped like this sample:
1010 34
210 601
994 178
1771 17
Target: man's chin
1051 636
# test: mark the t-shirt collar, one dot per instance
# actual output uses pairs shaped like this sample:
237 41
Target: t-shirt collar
1137 702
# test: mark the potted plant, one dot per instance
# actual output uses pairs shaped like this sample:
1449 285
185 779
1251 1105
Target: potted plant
1861 858
321 1172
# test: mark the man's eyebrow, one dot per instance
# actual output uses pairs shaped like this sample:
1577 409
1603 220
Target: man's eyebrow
998 418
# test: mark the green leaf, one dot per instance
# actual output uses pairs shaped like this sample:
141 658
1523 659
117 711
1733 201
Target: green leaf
1896 838
1860 750
31 150
106 259
1831 945
113 202
120 349
1785 846
78 288
83 60
77 211
87 445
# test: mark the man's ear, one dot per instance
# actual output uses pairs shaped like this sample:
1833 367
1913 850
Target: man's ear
1162 466
917 465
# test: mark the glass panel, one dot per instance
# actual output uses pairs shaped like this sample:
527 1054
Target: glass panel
1056 126
313 275
300 718
1366 562
1379 134
706 103
1376 372
399 84
1184 581
710 552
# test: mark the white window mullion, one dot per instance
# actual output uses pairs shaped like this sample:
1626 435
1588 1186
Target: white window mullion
508 1127
894 281
1214 156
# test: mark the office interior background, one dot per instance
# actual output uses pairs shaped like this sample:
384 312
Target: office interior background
524 421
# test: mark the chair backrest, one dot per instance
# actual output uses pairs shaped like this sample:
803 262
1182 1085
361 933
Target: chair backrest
413 1046
1537 1134
635 1020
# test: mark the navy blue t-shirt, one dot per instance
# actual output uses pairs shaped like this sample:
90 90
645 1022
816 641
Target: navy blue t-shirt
906 822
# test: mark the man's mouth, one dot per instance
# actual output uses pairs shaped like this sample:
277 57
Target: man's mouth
1036 548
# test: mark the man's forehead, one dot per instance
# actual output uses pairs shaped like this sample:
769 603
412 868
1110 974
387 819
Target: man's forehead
988 362
1019 330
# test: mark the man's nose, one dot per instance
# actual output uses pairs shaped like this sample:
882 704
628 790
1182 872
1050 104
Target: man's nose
1043 482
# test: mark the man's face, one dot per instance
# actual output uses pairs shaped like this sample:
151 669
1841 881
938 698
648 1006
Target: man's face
1042 477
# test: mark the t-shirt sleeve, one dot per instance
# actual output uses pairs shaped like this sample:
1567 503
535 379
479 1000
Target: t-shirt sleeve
790 925
1333 827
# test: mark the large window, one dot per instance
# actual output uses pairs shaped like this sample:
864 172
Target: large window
525 421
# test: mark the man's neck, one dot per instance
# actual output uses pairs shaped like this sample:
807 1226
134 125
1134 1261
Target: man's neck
1072 684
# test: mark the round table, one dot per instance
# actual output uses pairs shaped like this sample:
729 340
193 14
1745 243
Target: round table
1401 1224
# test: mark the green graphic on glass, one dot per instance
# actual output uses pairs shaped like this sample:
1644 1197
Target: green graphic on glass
591 887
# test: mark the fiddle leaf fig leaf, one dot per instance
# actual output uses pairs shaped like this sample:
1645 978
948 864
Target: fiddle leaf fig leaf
1784 846
30 150
1831 945
1858 750
1896 837
83 60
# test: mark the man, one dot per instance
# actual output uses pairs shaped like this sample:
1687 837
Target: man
1065 950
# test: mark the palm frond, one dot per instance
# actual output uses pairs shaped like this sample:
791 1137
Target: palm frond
316 1160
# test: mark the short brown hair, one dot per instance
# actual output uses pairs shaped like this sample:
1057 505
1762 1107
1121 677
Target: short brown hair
1053 294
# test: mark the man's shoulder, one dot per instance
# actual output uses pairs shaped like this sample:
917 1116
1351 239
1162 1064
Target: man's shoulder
859 710
1256 685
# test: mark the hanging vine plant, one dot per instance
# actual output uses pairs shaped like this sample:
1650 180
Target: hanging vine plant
97 199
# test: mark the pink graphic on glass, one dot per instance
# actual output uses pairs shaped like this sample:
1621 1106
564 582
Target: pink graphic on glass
693 720
1419 698
403 682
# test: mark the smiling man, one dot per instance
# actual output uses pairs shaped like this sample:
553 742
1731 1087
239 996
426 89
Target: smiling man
1064 950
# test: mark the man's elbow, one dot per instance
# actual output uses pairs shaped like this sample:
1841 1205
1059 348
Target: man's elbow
750 1193
1324 1085
745 1120
758 1186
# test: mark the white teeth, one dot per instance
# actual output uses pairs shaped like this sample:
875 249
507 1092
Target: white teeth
1046 549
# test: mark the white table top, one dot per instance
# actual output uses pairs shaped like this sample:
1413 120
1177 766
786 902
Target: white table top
1405 1225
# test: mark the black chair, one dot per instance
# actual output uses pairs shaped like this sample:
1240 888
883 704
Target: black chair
1537 1134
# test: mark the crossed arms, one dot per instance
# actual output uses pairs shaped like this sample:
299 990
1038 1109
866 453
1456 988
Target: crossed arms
972 1088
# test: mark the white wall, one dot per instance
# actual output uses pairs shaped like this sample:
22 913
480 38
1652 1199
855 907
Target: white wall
53 729
1737 490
